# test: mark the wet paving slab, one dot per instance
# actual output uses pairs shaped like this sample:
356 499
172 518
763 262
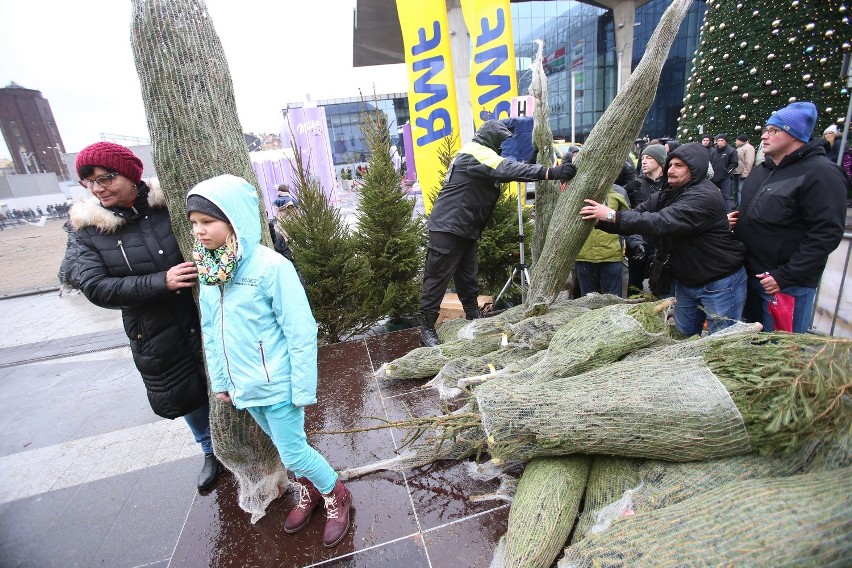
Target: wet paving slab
132 519
423 517
152 516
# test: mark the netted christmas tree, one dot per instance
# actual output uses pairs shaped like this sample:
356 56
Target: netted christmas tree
756 57
196 134
599 163
388 236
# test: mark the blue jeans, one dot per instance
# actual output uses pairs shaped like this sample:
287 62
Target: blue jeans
199 422
757 306
603 276
285 424
720 302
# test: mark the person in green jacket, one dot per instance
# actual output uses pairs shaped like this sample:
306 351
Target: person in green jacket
599 264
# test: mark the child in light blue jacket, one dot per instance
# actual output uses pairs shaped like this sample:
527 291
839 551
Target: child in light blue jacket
260 339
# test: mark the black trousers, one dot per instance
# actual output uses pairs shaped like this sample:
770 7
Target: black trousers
448 257
636 270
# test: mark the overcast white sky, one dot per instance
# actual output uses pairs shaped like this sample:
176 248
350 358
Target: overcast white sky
77 53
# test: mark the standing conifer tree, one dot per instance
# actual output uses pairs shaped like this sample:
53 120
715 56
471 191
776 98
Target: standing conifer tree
388 235
337 280
758 56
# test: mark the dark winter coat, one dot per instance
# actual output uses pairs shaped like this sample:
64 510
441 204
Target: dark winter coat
724 161
689 223
472 185
792 215
641 188
124 257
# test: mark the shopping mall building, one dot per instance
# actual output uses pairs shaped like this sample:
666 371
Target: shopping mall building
599 43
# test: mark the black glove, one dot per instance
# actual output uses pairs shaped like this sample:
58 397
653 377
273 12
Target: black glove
564 172
637 252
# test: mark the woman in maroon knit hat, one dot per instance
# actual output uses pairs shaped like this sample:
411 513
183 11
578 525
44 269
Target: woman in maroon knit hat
129 260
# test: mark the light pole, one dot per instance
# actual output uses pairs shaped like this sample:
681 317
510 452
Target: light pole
60 164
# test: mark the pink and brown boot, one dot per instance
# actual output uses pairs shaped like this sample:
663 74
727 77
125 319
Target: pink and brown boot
337 505
309 498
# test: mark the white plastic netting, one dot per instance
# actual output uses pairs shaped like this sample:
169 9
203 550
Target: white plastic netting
800 520
639 409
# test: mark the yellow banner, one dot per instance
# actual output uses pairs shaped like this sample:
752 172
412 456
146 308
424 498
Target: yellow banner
493 81
431 92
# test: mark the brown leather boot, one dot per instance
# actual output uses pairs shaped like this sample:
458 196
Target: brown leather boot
309 498
336 515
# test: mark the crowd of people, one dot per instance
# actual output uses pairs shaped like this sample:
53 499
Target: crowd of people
30 215
724 231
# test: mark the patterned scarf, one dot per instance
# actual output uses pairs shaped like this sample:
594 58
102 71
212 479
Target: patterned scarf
215 266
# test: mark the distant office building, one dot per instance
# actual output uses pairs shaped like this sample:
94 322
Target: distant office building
343 117
30 131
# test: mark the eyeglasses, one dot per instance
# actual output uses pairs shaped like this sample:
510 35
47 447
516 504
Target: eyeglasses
104 181
771 130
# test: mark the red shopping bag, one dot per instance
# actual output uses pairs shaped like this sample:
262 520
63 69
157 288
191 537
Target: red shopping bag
781 308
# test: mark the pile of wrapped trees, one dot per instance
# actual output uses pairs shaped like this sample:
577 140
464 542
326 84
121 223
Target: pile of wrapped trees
639 447
633 440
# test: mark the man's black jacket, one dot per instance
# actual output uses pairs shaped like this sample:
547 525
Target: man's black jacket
792 215
472 186
690 223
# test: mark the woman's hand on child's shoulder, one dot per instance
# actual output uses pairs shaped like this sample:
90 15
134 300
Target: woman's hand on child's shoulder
223 396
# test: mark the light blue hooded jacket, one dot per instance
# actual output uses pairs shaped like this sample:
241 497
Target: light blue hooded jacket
260 338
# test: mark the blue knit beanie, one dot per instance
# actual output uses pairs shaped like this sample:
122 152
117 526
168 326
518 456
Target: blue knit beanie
796 119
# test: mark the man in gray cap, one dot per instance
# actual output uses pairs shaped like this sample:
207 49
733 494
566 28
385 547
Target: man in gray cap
649 182
745 163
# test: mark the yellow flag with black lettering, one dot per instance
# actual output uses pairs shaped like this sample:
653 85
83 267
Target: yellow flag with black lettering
493 81
431 91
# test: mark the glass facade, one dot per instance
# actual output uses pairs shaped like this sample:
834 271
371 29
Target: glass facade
344 115
663 115
579 40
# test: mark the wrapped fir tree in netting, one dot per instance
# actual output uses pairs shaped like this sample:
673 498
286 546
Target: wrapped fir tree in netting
580 337
598 164
543 512
621 487
546 192
802 520
195 135
756 57
388 236
778 394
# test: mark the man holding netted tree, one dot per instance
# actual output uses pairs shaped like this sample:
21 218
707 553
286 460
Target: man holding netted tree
697 255
465 203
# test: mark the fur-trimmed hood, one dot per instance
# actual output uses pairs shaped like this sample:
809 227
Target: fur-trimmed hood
90 212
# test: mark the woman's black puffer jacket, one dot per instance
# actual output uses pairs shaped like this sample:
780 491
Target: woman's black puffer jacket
124 257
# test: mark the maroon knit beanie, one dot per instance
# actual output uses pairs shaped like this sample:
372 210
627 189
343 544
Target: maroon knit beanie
113 157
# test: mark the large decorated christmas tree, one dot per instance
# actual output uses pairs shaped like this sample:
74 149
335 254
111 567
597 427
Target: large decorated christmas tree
756 56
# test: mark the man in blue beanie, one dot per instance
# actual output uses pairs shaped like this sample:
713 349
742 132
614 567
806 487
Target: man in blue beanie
791 216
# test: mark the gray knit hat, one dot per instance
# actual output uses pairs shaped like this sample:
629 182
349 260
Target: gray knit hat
204 205
656 151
